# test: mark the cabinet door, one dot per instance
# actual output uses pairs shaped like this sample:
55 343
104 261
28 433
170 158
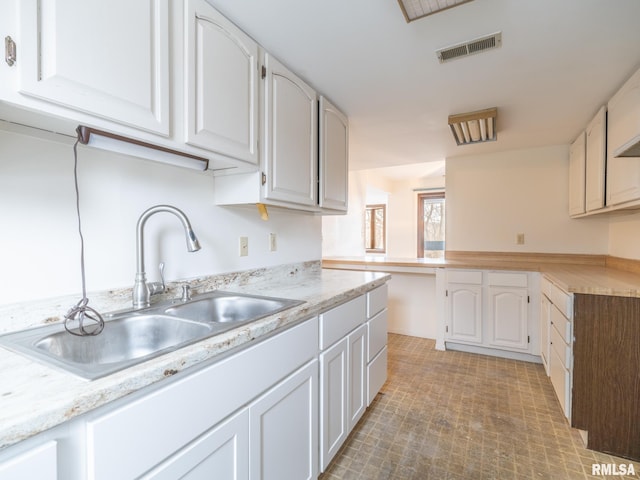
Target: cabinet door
507 312
545 324
464 313
222 84
596 160
291 136
109 59
284 429
38 463
222 452
623 124
334 157
333 400
357 393
577 176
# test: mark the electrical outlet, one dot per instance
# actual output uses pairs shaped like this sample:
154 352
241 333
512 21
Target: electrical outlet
243 246
520 239
273 245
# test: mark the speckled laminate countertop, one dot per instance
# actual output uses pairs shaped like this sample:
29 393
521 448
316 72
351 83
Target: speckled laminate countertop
35 397
572 276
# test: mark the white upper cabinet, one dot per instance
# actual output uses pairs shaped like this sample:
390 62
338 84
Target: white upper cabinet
333 157
290 146
108 59
577 176
623 173
221 113
596 160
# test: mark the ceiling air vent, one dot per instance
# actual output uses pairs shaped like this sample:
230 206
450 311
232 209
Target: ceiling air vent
465 49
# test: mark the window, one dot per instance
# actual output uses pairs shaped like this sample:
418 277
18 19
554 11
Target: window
431 226
375 228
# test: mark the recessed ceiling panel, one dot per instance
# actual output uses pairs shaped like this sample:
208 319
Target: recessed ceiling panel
415 9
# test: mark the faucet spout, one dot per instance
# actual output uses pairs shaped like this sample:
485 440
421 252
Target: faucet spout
141 289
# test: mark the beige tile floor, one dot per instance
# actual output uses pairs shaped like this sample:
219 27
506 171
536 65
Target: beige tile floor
454 415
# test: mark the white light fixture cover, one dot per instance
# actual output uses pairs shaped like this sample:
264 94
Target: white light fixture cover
136 148
415 9
474 127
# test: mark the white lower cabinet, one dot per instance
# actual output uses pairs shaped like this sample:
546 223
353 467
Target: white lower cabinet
545 324
223 452
559 343
165 420
353 365
284 429
490 310
333 400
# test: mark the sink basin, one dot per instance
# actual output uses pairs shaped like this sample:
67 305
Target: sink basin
124 342
133 337
126 339
224 307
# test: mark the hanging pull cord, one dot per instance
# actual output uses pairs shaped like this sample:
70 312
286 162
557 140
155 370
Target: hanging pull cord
89 321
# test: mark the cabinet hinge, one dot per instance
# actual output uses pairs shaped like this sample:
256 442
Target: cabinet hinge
528 299
446 329
528 339
10 55
263 72
446 293
264 178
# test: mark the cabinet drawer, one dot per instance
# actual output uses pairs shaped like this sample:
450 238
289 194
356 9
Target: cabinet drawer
559 321
166 419
339 321
376 374
496 279
561 299
376 300
561 381
562 349
377 329
38 463
464 276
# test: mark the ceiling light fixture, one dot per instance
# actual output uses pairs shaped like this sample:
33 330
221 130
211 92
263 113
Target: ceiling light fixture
474 127
117 143
416 9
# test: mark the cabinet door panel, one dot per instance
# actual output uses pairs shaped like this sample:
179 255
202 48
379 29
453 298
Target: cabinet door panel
333 401
334 157
357 394
221 453
545 325
109 59
596 161
291 142
284 429
222 85
465 313
577 154
508 317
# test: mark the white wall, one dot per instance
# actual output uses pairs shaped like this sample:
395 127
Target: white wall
624 235
39 246
491 198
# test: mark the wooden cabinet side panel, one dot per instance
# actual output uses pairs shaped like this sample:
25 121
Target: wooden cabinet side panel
606 374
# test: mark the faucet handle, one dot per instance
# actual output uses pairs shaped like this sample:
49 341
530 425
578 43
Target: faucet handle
186 293
158 287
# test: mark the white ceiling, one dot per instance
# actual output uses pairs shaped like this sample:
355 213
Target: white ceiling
560 60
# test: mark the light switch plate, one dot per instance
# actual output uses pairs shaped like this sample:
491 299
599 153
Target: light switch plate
243 245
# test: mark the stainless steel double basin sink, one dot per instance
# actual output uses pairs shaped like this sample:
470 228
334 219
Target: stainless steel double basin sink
132 337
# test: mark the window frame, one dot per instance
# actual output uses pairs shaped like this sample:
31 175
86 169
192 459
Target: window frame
421 197
372 226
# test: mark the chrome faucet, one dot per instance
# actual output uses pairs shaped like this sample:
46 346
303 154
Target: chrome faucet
142 290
